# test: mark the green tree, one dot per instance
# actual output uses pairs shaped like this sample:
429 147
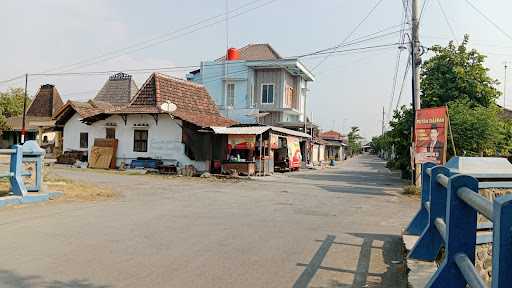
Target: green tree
354 140
456 72
478 130
11 104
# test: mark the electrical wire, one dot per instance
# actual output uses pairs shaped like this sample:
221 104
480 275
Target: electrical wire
161 38
488 19
454 35
349 35
407 68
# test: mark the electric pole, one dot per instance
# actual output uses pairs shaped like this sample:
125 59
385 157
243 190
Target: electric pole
416 55
383 125
416 101
505 85
23 129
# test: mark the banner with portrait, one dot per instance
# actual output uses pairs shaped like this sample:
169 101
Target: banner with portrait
431 135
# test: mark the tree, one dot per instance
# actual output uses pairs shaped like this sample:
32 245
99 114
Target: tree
354 140
478 130
454 73
11 104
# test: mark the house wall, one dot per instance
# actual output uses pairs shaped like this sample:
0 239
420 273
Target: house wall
164 139
213 76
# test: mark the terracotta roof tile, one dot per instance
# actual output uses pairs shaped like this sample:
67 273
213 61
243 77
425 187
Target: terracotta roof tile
331 135
255 52
118 90
193 102
46 102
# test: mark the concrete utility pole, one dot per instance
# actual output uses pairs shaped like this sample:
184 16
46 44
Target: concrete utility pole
416 55
383 115
505 85
23 125
416 62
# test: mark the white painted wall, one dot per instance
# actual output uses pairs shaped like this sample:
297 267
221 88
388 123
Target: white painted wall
164 139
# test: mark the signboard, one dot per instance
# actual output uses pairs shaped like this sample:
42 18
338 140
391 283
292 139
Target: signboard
294 155
241 142
431 135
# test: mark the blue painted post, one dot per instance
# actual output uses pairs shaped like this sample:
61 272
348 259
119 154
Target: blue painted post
428 245
502 242
420 221
16 167
461 234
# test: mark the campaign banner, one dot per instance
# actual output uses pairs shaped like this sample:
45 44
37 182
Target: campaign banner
294 155
431 135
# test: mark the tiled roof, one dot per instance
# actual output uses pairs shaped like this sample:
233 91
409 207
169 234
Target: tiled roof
46 102
84 109
193 102
331 135
16 123
255 52
118 90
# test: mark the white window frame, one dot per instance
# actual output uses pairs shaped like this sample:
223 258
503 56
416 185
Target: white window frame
227 94
273 93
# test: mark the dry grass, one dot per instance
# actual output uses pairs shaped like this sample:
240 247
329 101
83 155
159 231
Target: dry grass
411 190
77 191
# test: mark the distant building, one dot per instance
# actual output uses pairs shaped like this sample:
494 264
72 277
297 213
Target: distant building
335 146
38 120
257 85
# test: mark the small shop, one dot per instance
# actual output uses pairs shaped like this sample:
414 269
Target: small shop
261 150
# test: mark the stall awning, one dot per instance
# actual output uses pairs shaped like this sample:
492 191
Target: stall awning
256 130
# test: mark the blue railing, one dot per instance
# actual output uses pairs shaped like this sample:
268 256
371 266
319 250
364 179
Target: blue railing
448 218
15 172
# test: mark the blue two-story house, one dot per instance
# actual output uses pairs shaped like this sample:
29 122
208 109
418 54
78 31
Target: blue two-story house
257 85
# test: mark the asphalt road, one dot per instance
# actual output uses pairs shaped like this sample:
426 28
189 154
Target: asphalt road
332 228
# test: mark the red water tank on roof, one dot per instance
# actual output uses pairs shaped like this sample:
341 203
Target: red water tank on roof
233 54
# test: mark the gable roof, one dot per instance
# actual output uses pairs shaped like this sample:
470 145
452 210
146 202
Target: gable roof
84 109
46 102
118 90
331 135
253 52
193 102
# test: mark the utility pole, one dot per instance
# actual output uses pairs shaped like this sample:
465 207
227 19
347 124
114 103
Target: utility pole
383 114
23 130
416 55
505 86
416 101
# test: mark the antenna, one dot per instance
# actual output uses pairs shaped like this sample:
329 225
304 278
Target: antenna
168 106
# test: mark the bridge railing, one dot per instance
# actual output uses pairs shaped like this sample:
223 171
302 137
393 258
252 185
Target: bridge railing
451 208
15 172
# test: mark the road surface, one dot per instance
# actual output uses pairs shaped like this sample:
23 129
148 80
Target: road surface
338 227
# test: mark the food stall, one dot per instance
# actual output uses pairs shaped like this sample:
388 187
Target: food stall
241 148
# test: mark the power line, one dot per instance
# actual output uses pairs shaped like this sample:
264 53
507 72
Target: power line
350 34
422 9
161 38
407 68
397 66
488 19
454 35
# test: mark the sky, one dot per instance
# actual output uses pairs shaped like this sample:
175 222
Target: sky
350 89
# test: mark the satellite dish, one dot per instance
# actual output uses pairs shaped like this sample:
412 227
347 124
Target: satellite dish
168 106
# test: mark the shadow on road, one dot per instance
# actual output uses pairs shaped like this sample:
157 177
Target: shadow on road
394 276
10 279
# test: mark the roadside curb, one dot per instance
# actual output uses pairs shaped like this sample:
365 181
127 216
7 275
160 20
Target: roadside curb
30 198
418 272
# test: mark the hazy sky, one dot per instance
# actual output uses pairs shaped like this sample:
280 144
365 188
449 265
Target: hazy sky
350 88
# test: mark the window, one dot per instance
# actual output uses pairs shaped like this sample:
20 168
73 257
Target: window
110 133
140 140
267 93
230 94
84 140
